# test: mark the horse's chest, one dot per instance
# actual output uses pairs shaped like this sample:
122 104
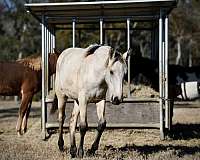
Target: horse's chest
70 93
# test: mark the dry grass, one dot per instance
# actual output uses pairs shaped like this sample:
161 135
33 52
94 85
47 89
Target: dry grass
116 144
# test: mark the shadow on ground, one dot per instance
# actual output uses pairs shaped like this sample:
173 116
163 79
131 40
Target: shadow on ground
185 131
13 112
146 150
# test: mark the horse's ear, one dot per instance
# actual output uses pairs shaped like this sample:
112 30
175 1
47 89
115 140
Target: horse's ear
127 54
56 51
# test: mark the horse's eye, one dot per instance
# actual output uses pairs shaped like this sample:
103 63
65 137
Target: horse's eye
111 72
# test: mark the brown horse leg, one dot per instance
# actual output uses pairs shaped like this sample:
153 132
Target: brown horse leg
22 110
72 128
100 128
61 117
25 119
83 123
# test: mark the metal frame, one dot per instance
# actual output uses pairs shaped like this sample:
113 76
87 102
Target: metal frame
48 43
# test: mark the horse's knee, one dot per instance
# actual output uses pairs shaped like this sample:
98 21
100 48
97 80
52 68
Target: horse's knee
83 128
101 126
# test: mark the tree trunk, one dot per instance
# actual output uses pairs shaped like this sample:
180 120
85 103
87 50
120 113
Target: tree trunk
178 58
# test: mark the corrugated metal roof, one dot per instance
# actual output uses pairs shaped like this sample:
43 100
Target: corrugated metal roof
62 13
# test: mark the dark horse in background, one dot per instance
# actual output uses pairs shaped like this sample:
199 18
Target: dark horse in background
23 78
146 71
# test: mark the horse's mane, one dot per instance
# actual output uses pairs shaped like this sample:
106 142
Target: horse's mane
91 49
32 61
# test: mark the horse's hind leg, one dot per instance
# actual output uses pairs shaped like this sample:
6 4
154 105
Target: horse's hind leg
72 128
61 118
100 128
22 110
25 119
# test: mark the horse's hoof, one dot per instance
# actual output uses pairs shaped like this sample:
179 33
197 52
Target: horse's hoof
80 153
73 151
19 133
61 148
61 144
90 152
24 130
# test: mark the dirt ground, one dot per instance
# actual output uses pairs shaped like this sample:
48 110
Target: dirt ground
116 144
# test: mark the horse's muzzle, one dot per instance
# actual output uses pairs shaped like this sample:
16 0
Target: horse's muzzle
115 101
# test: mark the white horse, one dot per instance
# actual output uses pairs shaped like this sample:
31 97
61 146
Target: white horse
85 75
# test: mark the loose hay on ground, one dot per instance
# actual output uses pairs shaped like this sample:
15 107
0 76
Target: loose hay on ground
115 144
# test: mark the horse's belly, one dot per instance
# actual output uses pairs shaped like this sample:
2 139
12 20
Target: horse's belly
70 92
8 90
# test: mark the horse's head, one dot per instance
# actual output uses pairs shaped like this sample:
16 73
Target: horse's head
53 57
116 69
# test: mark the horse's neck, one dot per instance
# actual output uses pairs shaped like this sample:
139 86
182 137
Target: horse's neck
101 59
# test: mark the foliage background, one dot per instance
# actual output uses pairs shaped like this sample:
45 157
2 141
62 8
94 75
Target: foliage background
20 33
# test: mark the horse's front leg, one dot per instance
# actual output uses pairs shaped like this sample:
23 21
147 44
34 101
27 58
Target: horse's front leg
101 126
61 118
26 97
72 128
83 123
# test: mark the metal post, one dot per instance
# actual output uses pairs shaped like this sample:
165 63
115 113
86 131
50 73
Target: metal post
129 58
161 75
47 59
53 45
73 32
101 31
43 79
167 109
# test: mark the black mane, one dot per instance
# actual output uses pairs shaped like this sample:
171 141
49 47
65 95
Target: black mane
92 48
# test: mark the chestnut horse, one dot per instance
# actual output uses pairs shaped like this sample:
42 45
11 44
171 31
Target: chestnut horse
23 78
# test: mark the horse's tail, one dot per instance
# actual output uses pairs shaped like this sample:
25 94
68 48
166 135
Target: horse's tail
54 107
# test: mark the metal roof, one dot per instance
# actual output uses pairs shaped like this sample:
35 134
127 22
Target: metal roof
63 13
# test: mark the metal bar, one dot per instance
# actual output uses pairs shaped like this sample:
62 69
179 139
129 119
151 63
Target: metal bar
112 125
108 28
53 37
101 31
47 59
167 109
125 100
129 58
161 76
73 33
96 3
43 119
45 53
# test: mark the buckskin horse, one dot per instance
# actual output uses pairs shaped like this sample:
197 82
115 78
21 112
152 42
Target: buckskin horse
85 75
23 78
